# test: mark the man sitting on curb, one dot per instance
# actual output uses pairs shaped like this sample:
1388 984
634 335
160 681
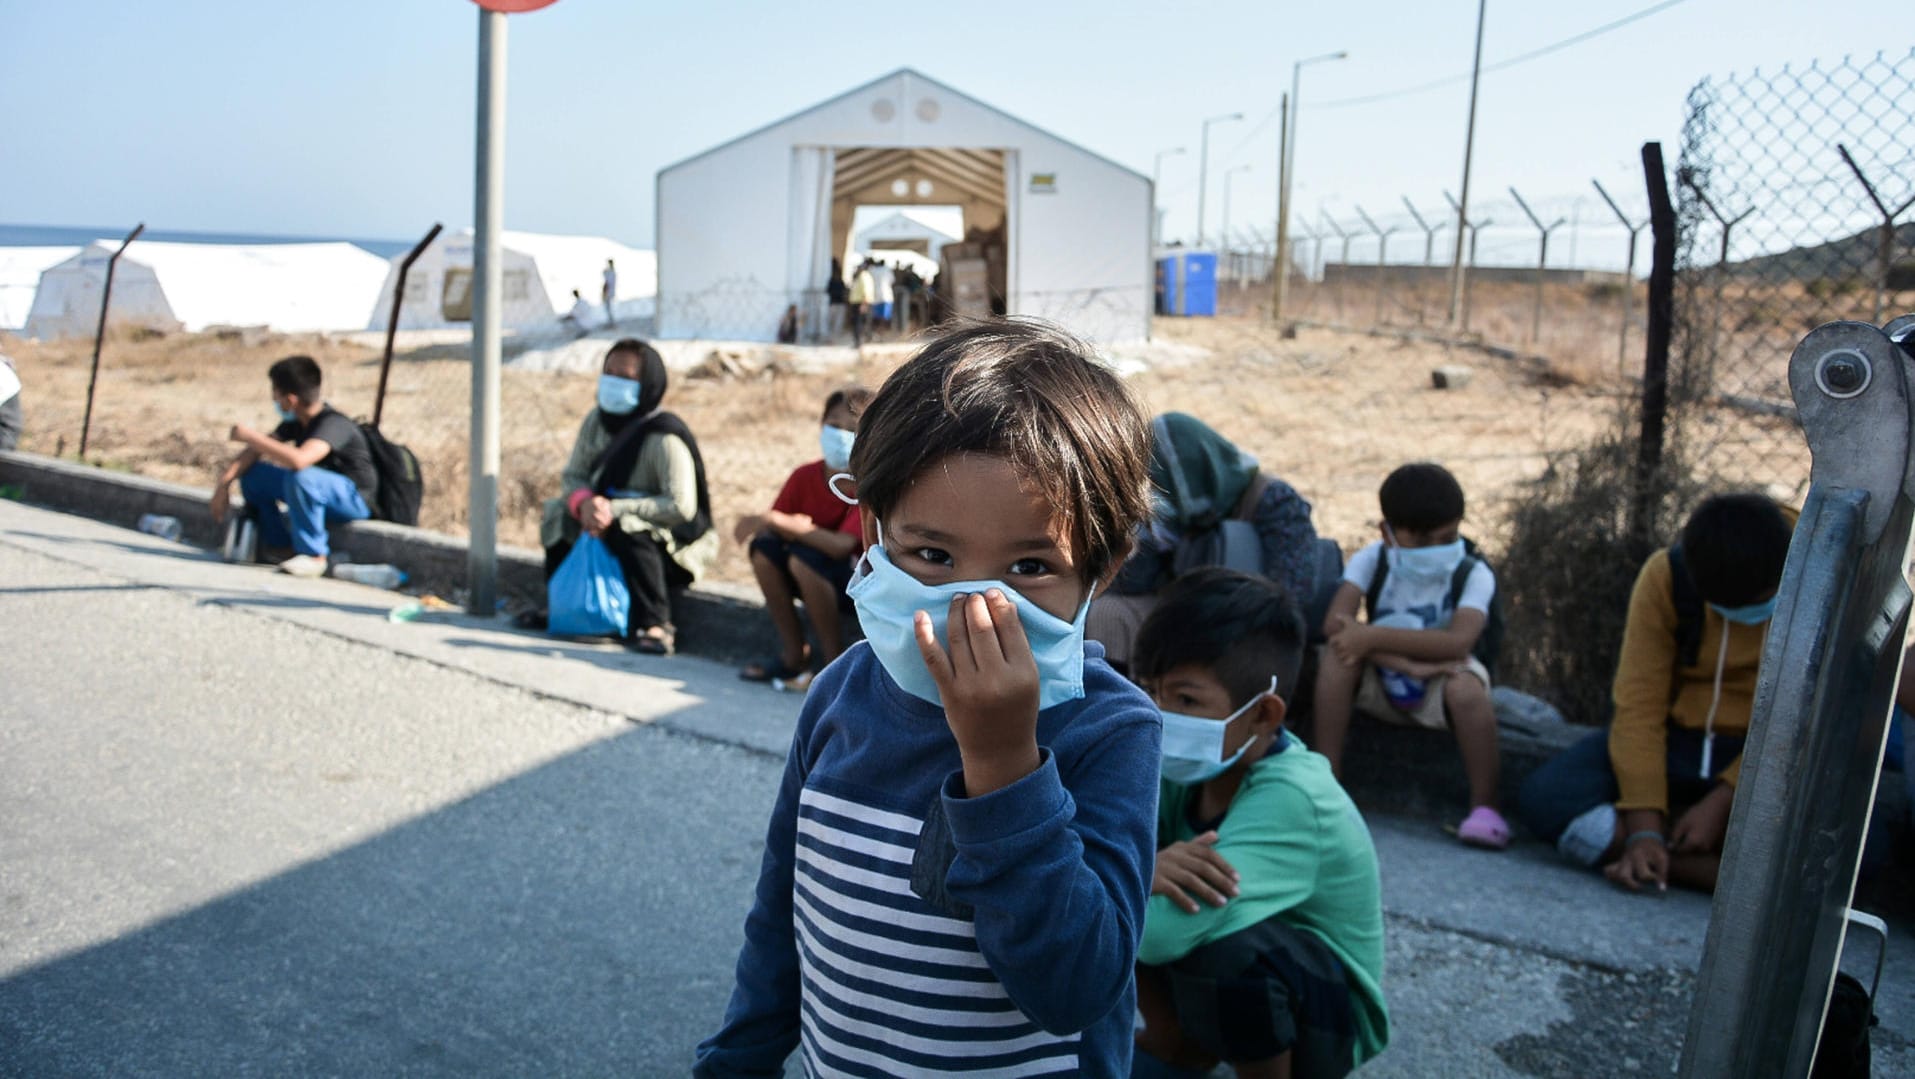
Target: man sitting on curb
316 463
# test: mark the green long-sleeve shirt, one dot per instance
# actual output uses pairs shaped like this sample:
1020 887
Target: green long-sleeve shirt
1304 854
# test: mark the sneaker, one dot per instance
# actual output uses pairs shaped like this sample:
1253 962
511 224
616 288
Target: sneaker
304 565
1586 838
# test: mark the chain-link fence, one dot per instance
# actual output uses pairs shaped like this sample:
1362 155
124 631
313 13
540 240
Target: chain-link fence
1794 193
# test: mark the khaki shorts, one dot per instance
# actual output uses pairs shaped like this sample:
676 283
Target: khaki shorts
1372 701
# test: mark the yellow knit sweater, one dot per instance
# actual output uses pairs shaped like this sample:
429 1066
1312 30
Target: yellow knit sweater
1652 690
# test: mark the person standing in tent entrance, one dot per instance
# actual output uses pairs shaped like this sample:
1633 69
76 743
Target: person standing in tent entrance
609 293
836 293
316 464
862 290
636 481
883 292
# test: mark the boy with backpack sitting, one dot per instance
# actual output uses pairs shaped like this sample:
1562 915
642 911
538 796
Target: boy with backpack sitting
1263 937
317 464
1684 692
1423 656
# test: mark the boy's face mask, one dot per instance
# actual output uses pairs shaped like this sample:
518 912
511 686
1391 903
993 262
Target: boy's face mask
836 444
617 396
286 415
1753 614
1193 745
1434 563
888 599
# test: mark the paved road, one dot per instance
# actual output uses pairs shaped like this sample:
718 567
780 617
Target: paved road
253 827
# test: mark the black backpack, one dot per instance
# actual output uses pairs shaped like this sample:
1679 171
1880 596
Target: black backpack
401 487
1489 643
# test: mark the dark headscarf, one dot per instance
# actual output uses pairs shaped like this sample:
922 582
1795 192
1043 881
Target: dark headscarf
621 456
1199 474
651 385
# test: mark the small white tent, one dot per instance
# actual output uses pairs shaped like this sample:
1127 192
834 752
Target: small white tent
288 287
538 277
906 231
752 225
20 270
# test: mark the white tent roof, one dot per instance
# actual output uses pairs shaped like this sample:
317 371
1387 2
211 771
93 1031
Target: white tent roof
289 287
576 262
906 224
558 264
20 270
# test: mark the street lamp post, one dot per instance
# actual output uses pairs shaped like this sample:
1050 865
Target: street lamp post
1285 182
1203 169
1156 210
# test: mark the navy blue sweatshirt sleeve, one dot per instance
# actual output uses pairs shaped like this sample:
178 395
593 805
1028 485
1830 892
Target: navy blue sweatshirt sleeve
761 1021
1057 867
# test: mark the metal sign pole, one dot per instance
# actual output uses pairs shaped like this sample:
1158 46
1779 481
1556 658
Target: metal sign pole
1814 749
482 552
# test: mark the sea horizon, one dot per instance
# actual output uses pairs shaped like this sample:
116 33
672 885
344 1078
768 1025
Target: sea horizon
12 235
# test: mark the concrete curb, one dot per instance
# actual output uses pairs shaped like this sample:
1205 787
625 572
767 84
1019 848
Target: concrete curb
716 621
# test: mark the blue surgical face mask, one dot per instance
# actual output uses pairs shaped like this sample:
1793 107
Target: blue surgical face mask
1425 563
836 444
888 599
1193 745
617 396
286 415
1752 615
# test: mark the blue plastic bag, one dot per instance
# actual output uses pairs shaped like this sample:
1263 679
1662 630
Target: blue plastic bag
587 597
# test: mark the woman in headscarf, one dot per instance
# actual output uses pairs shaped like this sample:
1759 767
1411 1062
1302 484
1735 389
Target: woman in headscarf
636 481
1200 481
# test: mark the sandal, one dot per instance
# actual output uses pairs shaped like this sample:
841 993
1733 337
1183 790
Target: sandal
772 669
1485 828
656 641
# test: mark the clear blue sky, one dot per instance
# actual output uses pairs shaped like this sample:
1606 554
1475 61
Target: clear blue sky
355 117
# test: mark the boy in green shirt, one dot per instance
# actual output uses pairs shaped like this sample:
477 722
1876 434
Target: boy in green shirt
1263 937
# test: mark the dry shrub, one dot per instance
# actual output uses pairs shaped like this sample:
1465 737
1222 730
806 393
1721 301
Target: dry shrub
1566 575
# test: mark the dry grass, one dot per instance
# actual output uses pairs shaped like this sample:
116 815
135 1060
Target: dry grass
1331 412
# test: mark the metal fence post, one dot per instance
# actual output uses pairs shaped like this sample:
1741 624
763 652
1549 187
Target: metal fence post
1429 248
1471 229
1814 750
1885 249
392 323
99 336
1344 273
1628 275
1542 263
488 211
1382 248
1721 271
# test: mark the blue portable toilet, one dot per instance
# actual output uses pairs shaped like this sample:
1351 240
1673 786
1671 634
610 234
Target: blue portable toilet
1187 284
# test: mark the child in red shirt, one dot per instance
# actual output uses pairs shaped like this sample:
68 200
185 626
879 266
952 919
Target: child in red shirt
804 548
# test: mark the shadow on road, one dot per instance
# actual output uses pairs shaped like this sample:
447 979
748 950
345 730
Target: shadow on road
579 918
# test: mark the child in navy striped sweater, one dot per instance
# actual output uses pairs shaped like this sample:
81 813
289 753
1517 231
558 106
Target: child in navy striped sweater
958 861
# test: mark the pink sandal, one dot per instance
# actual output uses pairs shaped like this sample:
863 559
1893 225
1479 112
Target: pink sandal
1485 828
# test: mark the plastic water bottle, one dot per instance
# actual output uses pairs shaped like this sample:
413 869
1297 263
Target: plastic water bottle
242 539
376 574
166 528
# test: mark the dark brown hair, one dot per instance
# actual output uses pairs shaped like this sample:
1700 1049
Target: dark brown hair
1032 394
297 375
855 398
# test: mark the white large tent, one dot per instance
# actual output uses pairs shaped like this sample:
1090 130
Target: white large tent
539 273
751 226
167 286
20 270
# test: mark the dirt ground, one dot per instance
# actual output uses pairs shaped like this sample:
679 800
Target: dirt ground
1329 411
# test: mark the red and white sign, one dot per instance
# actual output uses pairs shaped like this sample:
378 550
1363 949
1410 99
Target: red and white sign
513 7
